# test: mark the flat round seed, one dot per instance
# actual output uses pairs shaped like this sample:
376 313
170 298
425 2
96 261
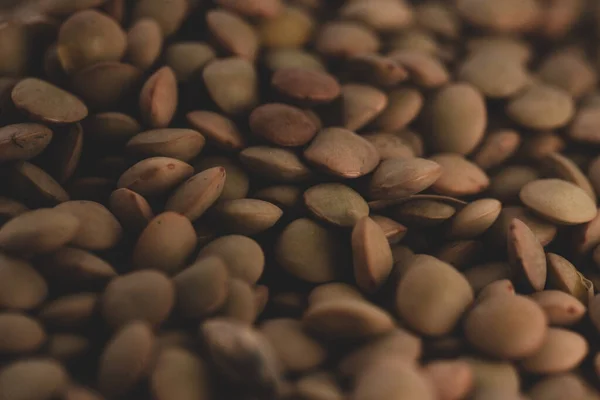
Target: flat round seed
132 210
346 39
292 58
432 296
33 378
165 244
144 43
425 70
371 253
202 288
126 359
541 107
194 196
155 175
361 105
475 218
376 69
386 15
347 318
241 353
253 8
496 148
234 34
544 231
452 379
169 15
566 385
508 182
145 296
510 327
526 256
38 231
111 127
492 376
232 84
98 229
292 28
61 158
69 312
75 269
88 37
247 216
9 209
23 141
460 177
393 231
389 145
187 59
21 286
274 163
562 351
562 167
218 129
333 291
569 70
494 72
336 203
306 86
241 303
482 275
584 127
242 255
438 18
423 212
458 126
559 201
45 102
319 384
282 125
237 182
508 16
561 308
105 85
399 178
284 196
297 351
182 144
563 275
20 334
309 251
180 373
158 98
403 107
35 186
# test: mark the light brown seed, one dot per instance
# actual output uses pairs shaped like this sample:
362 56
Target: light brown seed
496 148
559 201
432 296
75 269
508 182
526 256
218 129
562 167
187 59
21 286
333 291
452 379
508 16
566 385
292 58
234 34
241 303
35 186
193 197
458 126
336 203
460 177
561 308
131 208
342 153
425 70
252 8
67 347
383 15
282 124
346 39
306 86
45 102
111 127
155 175
237 182
61 158
247 216
144 296
361 105
296 350
21 334
165 244
510 327
292 28
202 288
375 69
33 378
88 37
494 376
180 373
438 18
309 251
399 178
98 228
562 351
182 144
570 70
403 107
106 85
243 256
144 43
423 212
69 312
169 15
563 275
232 84
541 107
482 275
275 164
126 359
319 384
23 141
38 231
347 318
159 98
475 219
372 256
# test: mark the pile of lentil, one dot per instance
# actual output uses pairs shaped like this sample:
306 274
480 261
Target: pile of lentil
299 199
